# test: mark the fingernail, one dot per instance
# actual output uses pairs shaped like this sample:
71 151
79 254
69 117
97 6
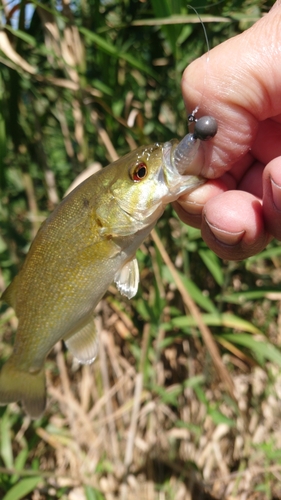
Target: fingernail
276 194
227 237
191 207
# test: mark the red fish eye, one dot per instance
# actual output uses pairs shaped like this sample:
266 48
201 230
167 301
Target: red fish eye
139 172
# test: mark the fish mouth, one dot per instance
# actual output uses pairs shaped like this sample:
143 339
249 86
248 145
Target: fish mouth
177 156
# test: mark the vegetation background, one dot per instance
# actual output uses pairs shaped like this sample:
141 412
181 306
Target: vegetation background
162 413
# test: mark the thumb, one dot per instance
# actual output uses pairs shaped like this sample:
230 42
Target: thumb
239 86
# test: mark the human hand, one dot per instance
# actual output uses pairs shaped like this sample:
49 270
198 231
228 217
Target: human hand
239 209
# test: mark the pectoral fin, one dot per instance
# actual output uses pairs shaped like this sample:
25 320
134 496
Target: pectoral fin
127 278
84 343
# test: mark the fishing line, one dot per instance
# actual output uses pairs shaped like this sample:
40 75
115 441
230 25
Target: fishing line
206 127
191 117
207 6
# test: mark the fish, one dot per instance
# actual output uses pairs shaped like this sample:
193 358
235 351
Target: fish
88 242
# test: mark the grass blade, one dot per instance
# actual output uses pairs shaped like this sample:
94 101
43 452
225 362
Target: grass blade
262 350
242 297
213 263
110 49
195 292
6 450
225 320
22 488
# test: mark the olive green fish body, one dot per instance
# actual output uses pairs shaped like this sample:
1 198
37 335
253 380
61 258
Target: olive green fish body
88 242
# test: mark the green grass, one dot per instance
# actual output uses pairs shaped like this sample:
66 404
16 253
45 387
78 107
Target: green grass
152 418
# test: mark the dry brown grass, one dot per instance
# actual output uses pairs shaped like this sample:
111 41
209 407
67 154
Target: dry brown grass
107 429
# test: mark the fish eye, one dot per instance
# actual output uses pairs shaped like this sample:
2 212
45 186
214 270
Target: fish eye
139 172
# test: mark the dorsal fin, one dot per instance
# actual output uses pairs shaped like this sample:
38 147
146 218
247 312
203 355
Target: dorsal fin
9 295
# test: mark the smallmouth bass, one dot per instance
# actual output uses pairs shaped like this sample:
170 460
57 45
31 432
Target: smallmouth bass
88 242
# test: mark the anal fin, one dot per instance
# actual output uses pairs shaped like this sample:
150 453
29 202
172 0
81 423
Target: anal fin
83 344
127 278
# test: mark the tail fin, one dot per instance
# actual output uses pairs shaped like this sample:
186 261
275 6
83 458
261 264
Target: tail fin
29 388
